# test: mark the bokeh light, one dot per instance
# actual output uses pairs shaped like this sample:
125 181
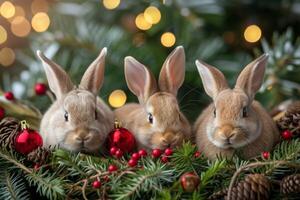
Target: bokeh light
252 33
7 56
40 22
39 6
117 98
111 4
3 35
7 9
20 26
141 22
168 39
152 15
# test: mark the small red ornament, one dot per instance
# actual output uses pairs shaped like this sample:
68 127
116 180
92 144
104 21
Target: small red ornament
9 96
2 113
40 88
112 168
119 153
266 155
142 152
164 159
189 181
106 178
132 162
287 135
27 140
197 154
135 156
96 184
36 167
113 151
122 139
156 153
168 152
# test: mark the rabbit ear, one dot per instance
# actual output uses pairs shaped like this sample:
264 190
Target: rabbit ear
172 74
92 79
213 80
251 78
59 82
139 79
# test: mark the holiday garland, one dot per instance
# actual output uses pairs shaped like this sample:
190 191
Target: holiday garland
181 173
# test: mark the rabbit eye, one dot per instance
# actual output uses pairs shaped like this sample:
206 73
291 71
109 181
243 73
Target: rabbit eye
96 115
215 113
245 112
150 118
66 116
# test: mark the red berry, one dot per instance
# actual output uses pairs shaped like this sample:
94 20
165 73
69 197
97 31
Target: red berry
36 167
197 154
132 162
164 159
2 113
119 153
112 168
113 151
106 178
96 184
266 155
40 88
156 153
168 151
9 96
135 156
287 135
142 152
189 181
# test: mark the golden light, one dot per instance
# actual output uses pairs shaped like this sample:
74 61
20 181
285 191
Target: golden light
152 15
141 22
20 26
3 35
7 56
40 22
7 9
252 33
39 6
19 12
168 39
117 98
111 4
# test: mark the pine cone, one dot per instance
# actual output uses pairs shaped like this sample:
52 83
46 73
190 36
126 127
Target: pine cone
9 129
291 119
255 186
290 184
40 155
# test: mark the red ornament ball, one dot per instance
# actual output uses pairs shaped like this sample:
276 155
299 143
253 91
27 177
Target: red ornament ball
164 159
189 181
135 156
96 184
266 155
2 113
40 88
119 153
112 168
132 162
168 152
122 139
197 154
156 153
287 135
113 151
9 96
142 152
27 141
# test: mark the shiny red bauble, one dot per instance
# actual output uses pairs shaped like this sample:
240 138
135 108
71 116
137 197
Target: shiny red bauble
96 184
287 135
122 139
132 162
27 141
266 155
112 168
168 151
2 113
156 153
9 96
142 152
40 88
189 181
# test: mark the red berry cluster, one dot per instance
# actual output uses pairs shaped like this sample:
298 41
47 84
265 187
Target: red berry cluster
97 183
156 153
135 157
118 153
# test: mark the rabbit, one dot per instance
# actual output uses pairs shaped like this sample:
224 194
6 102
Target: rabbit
234 122
156 121
78 120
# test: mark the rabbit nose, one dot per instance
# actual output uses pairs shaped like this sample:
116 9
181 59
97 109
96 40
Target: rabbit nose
226 132
82 135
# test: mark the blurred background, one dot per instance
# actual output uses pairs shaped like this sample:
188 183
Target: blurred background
225 33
